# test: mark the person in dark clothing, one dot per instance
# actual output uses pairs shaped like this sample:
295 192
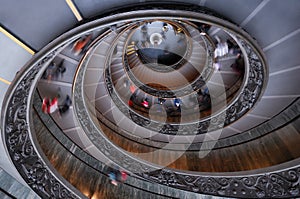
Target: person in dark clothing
61 69
161 100
66 105
239 65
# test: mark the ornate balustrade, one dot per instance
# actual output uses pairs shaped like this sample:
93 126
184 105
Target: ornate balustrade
281 181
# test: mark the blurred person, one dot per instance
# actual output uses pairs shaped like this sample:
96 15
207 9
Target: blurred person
80 44
161 100
221 48
50 72
239 64
145 103
113 179
122 176
130 103
45 105
49 105
177 102
66 105
126 83
116 175
233 47
61 69
217 66
132 88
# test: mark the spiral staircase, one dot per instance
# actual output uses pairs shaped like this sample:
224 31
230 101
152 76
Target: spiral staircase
155 92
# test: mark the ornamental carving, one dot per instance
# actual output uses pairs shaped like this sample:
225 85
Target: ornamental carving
284 183
20 144
253 186
244 102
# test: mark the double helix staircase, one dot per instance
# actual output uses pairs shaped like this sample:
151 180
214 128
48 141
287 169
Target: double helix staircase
69 155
